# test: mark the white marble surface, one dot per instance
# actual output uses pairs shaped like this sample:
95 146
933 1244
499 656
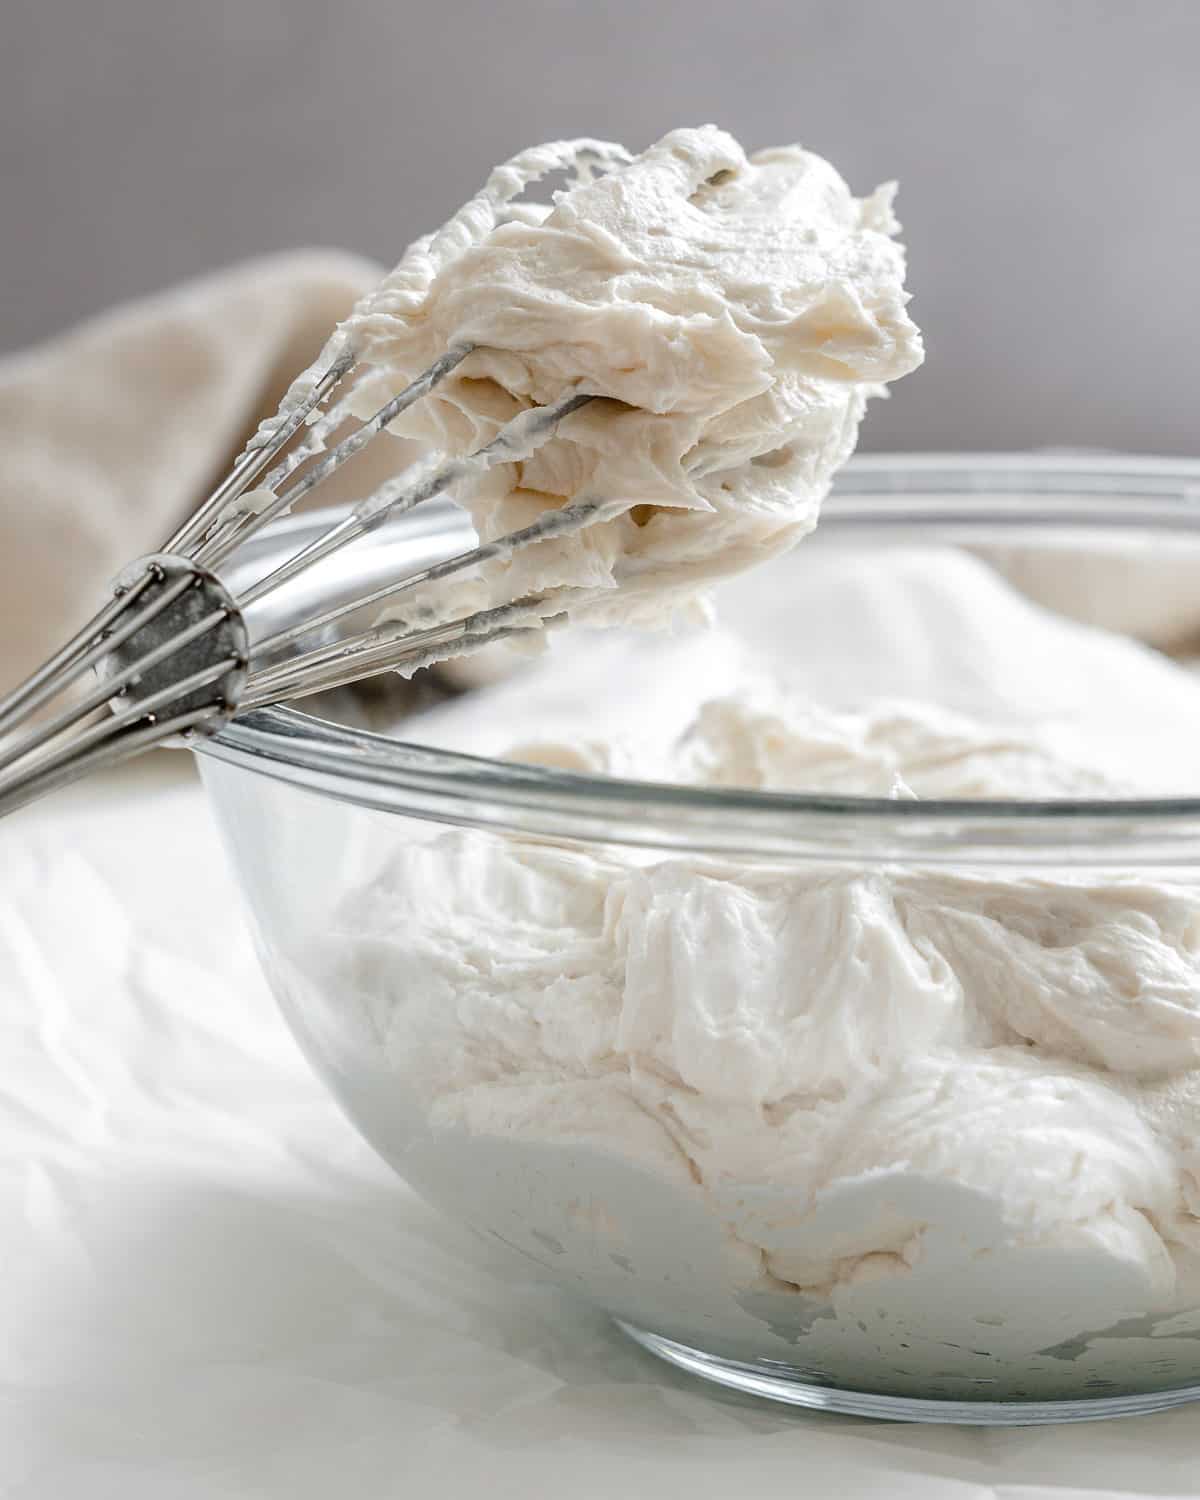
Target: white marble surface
210 1290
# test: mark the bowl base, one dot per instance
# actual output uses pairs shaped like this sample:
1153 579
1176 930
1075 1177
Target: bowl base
775 1383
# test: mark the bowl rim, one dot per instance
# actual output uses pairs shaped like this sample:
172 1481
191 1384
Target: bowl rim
954 494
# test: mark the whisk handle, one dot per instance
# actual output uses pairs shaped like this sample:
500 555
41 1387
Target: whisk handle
170 653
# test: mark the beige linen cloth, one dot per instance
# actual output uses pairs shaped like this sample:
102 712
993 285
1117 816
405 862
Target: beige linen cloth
113 432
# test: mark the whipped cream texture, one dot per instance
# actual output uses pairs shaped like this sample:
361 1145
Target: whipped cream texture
930 1130
730 314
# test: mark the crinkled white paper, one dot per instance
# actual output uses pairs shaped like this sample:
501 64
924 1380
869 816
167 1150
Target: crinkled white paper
211 1290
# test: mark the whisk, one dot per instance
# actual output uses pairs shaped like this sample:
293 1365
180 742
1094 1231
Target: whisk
171 652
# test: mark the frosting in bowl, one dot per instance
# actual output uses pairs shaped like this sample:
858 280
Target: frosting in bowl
827 1115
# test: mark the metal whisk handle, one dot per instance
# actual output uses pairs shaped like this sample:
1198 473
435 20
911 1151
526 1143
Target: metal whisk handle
170 655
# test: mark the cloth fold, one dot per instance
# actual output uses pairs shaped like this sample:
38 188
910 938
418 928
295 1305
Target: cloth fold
112 432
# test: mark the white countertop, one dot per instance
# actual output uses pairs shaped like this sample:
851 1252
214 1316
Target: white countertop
211 1290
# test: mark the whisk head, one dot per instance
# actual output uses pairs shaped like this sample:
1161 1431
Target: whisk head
173 648
172 652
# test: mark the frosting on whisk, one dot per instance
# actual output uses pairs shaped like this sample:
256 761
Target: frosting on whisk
733 314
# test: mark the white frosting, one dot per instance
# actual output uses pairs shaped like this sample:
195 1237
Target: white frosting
892 749
850 630
734 314
934 1132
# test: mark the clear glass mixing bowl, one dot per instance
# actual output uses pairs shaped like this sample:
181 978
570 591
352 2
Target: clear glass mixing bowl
314 812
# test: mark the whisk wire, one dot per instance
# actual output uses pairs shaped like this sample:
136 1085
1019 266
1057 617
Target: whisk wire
255 460
575 517
111 687
172 648
517 439
218 547
172 653
396 647
98 749
88 647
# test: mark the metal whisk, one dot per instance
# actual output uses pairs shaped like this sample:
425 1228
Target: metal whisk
171 650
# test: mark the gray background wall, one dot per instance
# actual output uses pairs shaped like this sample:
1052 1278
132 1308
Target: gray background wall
1046 151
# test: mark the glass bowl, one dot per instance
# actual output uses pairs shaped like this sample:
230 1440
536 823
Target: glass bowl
908 1296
